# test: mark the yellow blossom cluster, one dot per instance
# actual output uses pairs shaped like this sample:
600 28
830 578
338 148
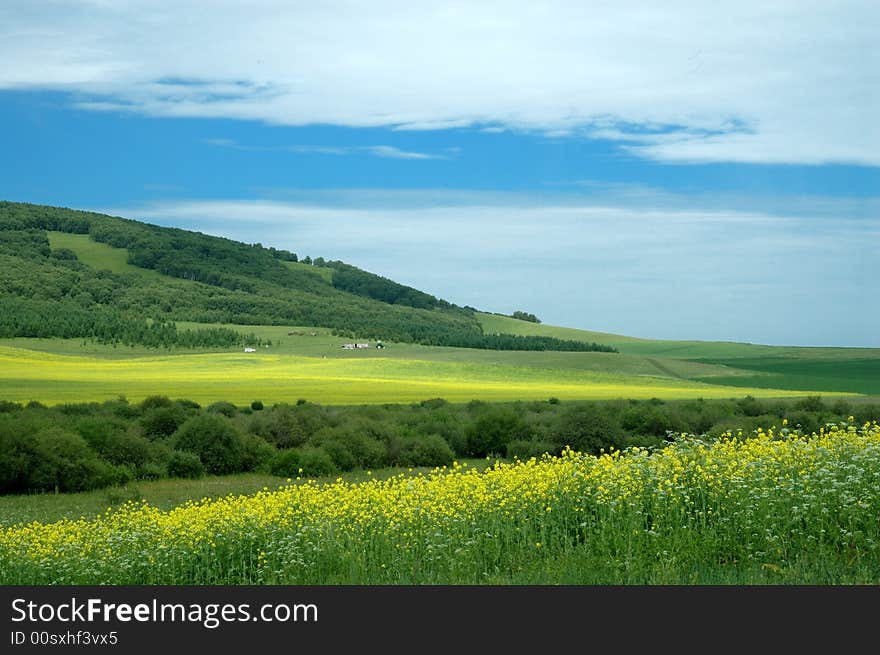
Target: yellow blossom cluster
771 495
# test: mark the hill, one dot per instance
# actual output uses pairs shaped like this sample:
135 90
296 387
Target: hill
853 370
68 273
103 288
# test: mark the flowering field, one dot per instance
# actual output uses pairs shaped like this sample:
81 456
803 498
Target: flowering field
775 507
375 379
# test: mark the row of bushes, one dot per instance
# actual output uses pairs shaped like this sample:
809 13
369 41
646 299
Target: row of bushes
86 446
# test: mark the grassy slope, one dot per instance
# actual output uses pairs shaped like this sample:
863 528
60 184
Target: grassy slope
854 370
242 377
99 256
493 323
407 372
323 271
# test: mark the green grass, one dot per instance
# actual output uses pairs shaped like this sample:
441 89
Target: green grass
305 362
169 493
844 374
240 377
850 370
493 323
324 272
99 256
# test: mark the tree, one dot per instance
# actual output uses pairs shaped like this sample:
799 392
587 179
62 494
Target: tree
525 316
214 440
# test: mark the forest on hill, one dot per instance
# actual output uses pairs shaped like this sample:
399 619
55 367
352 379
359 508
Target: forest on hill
49 292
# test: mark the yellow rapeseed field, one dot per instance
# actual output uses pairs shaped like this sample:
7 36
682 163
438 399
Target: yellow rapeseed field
239 378
776 503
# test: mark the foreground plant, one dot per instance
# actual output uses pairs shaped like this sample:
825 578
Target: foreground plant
775 506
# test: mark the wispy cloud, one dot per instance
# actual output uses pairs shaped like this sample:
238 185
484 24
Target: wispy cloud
651 270
803 76
391 152
387 152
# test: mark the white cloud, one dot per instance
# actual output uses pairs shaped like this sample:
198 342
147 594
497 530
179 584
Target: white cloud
387 152
751 81
660 271
391 152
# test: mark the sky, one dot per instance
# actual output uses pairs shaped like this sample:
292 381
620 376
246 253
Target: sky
677 170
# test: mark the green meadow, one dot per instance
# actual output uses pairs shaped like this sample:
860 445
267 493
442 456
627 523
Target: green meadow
308 362
847 370
240 377
99 255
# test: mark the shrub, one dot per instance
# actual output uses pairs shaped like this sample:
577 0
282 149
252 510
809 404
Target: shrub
222 407
867 412
151 471
804 421
63 460
162 422
316 462
153 402
587 428
97 431
7 406
18 454
367 451
122 448
185 465
840 407
121 409
76 409
255 452
524 450
430 450
339 453
121 495
257 405
214 440
285 463
287 426
750 406
810 404
493 430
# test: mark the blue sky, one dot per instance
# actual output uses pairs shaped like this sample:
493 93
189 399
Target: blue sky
696 173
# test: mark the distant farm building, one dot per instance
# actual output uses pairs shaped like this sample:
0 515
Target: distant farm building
250 350
352 346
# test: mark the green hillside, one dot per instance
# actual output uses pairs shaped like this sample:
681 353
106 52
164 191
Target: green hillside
495 323
67 273
105 288
325 272
854 370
